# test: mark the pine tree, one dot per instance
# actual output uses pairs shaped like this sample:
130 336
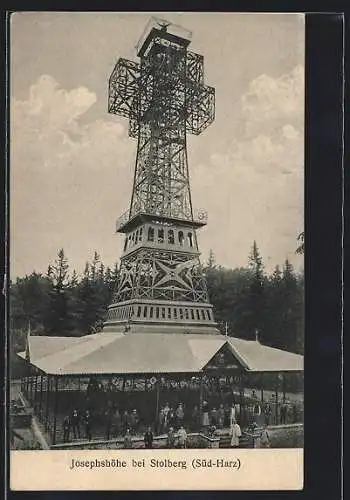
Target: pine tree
256 298
58 317
290 308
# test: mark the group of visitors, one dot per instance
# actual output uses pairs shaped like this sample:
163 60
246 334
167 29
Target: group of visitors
115 423
173 439
74 423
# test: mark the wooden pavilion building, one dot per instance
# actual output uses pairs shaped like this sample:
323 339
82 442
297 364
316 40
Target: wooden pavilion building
146 371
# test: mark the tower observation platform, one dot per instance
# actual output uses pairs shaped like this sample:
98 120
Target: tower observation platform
161 286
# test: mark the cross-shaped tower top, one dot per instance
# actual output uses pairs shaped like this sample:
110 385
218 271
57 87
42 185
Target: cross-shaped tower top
164 97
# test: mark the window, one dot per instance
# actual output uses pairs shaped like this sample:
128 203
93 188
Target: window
160 235
198 317
151 312
169 312
139 311
186 314
175 313
145 312
190 241
157 312
150 234
192 313
136 237
181 313
163 312
208 314
125 244
133 238
140 234
181 237
203 314
171 239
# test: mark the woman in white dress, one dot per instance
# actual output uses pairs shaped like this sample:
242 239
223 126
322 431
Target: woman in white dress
236 433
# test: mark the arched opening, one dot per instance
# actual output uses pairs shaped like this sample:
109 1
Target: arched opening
171 238
160 235
190 239
150 236
181 237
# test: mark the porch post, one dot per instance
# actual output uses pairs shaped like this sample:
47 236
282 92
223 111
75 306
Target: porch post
123 391
35 391
55 410
276 393
41 396
30 386
47 402
284 387
262 387
241 399
157 399
201 394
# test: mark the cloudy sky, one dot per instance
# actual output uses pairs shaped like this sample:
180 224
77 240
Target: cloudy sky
72 163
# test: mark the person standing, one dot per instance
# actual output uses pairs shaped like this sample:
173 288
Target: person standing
267 413
87 422
126 420
283 412
221 416
66 428
134 421
117 422
264 438
182 436
148 438
236 433
180 415
166 411
160 423
75 422
108 416
233 415
195 417
171 438
127 439
213 417
205 415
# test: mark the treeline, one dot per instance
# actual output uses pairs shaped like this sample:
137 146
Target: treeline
61 302
249 301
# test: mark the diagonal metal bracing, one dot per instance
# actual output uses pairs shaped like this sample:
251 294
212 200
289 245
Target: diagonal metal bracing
164 97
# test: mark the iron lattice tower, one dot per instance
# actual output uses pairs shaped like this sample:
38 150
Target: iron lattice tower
161 286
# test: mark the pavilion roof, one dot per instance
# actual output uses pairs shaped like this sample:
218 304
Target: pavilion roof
119 353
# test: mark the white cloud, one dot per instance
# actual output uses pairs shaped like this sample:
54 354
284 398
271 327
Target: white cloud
271 102
255 188
68 180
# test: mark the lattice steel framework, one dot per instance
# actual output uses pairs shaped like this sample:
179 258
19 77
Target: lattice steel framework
164 97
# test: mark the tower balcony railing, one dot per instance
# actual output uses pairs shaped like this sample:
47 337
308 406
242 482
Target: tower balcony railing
200 218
